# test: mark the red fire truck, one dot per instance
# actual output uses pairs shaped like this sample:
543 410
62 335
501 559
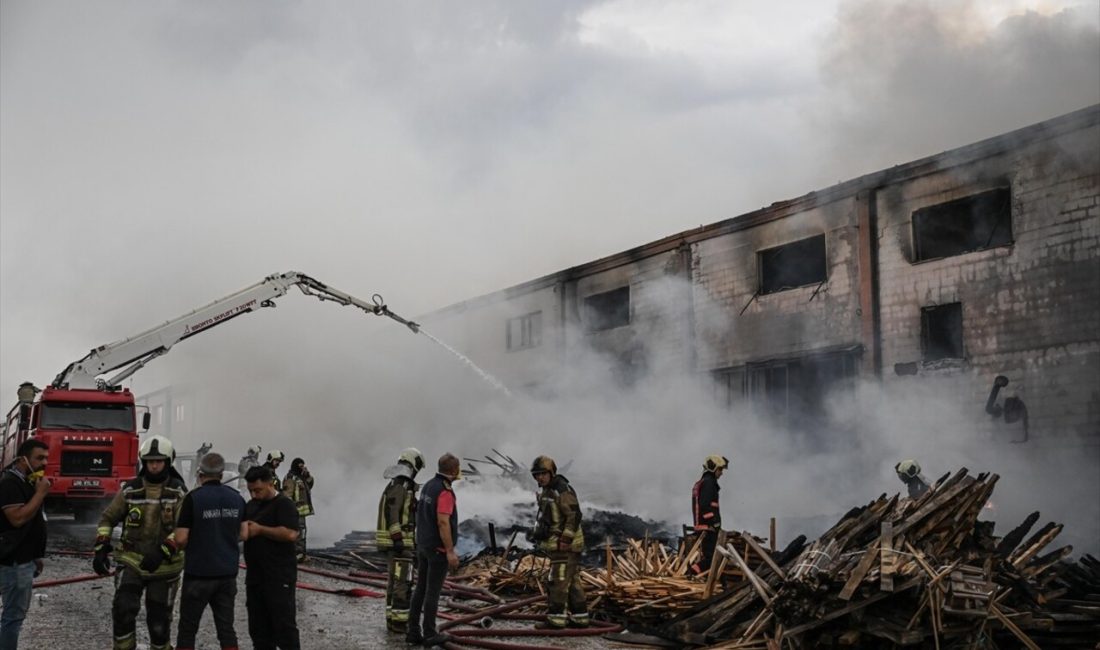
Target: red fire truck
90 423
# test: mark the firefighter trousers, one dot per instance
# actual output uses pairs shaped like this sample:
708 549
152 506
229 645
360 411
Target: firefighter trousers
706 550
399 567
160 596
565 592
300 545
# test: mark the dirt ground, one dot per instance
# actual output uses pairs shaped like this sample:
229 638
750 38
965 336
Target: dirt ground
78 615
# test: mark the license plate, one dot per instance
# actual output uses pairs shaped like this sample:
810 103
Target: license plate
91 482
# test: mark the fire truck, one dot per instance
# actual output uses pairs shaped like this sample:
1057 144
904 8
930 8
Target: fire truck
90 423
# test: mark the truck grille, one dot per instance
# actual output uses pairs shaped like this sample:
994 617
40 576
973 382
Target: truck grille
85 463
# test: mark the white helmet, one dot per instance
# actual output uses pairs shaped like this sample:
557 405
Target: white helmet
413 458
275 454
254 451
907 469
157 448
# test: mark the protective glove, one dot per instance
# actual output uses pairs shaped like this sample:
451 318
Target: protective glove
398 542
565 543
101 561
152 561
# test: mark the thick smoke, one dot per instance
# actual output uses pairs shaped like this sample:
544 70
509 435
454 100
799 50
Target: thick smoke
924 76
349 395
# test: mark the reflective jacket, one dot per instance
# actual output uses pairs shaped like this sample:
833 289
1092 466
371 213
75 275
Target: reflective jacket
300 490
147 512
397 513
559 518
275 474
704 503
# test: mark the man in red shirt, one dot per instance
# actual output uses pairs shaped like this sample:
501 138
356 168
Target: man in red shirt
436 533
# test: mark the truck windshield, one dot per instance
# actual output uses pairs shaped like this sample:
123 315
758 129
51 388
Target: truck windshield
83 416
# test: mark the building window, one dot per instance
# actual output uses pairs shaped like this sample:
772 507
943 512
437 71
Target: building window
524 331
972 223
604 311
180 412
794 390
941 332
792 265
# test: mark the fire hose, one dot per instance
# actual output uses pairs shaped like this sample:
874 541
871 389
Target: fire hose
472 637
475 593
464 591
354 592
66 581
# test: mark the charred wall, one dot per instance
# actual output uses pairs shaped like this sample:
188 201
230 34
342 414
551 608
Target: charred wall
1027 299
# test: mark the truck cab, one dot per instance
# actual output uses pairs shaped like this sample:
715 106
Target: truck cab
93 444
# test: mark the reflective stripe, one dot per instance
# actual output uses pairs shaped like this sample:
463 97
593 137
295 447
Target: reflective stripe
709 515
125 642
557 620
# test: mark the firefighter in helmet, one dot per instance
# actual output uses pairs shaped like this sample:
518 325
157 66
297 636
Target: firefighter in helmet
148 558
558 532
909 473
298 485
250 459
706 515
274 459
396 535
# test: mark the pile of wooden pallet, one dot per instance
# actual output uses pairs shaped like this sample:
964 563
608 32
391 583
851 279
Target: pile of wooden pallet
899 572
511 573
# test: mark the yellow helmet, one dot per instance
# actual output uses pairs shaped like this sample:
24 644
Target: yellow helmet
715 462
907 469
544 464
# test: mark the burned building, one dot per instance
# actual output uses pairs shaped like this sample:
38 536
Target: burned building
959 268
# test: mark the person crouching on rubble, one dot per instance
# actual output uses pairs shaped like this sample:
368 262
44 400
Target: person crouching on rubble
298 485
558 532
149 559
396 535
909 473
705 512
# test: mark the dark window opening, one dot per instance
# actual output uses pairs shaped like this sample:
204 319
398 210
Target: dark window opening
792 265
964 225
605 311
795 390
941 332
524 331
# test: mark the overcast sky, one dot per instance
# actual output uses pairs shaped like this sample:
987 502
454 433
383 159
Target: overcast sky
156 155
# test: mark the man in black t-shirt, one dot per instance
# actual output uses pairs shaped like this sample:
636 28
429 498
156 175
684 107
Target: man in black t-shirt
23 488
211 521
271 530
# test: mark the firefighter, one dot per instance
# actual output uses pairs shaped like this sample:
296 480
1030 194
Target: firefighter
396 535
248 461
706 515
298 485
148 558
909 473
558 532
274 459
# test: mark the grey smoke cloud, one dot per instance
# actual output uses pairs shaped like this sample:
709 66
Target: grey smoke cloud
155 156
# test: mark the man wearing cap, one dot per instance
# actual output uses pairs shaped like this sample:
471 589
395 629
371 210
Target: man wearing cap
211 521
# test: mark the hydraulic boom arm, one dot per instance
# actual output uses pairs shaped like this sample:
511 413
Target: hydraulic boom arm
138 350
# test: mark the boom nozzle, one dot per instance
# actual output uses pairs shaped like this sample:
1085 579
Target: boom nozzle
381 309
